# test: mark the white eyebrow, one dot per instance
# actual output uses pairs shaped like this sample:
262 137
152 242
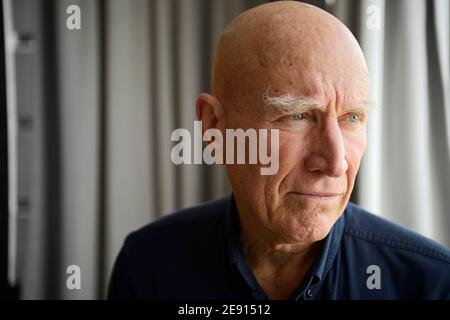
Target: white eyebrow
288 103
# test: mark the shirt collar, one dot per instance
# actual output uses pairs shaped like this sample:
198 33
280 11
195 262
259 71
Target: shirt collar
321 266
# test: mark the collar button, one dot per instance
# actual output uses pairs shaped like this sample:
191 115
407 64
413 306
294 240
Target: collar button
309 293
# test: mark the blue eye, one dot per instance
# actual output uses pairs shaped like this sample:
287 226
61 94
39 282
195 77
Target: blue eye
298 116
353 117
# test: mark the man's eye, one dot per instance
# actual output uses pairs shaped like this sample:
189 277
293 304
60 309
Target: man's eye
298 116
354 117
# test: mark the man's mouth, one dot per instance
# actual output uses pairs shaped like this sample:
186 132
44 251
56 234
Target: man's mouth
319 196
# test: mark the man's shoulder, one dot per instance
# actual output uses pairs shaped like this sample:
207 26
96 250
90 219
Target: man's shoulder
155 257
181 225
384 235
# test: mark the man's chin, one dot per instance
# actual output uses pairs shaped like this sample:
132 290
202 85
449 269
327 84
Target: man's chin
309 227
306 206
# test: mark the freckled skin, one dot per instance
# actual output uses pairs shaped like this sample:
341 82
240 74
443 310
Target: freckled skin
300 50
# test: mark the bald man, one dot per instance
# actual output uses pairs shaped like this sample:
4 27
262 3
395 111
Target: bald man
293 68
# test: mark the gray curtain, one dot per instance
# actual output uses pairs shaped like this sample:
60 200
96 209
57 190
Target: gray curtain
103 100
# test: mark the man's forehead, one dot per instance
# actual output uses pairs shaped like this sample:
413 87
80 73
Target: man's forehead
318 86
249 58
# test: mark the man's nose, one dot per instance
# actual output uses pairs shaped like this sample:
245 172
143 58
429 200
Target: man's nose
328 150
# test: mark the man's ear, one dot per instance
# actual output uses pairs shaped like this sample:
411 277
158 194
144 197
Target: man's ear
209 111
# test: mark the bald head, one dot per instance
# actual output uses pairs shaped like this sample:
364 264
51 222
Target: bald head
289 42
295 69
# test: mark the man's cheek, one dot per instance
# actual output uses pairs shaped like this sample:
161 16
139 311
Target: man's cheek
355 148
292 150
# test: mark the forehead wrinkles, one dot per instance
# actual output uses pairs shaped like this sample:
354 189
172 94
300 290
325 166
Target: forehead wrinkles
328 90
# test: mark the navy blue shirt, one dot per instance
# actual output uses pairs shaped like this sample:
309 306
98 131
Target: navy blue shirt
195 253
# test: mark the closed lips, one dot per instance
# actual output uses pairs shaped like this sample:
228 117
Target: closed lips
319 194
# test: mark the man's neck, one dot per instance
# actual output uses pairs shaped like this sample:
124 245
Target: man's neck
279 266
